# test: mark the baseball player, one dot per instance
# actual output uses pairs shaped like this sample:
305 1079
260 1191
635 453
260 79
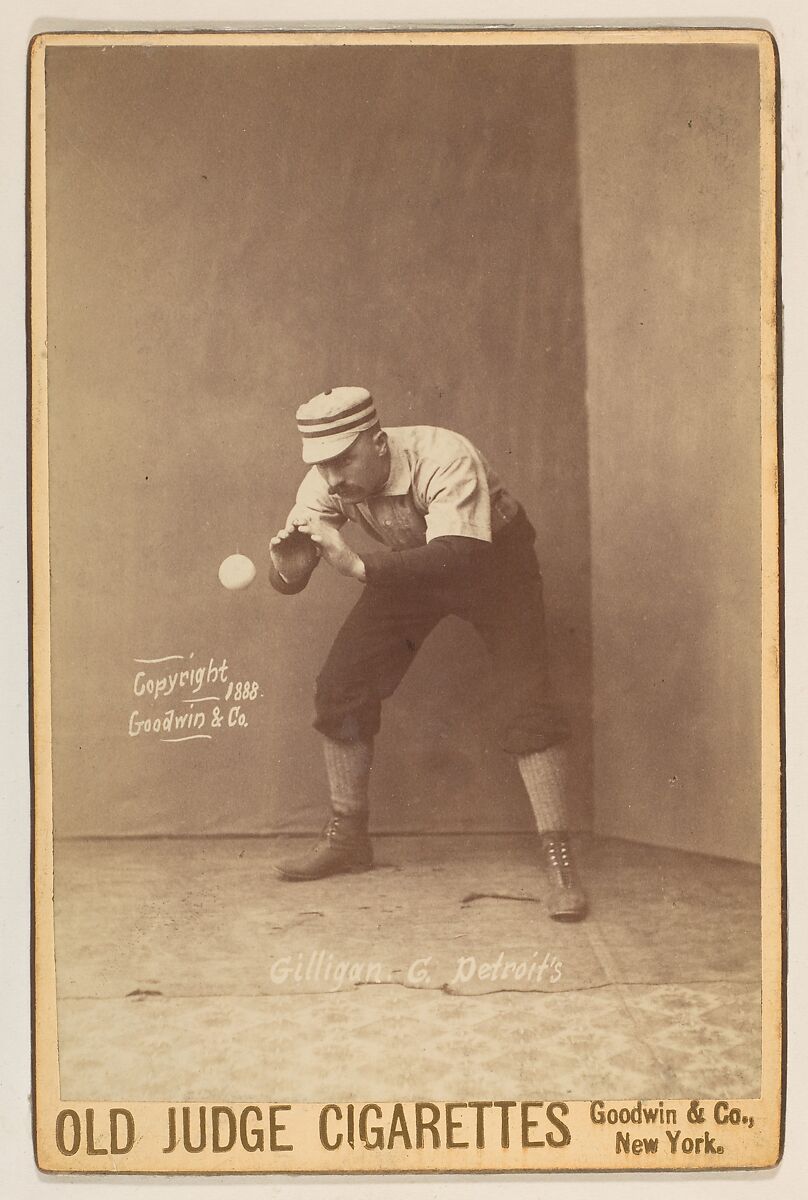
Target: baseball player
455 542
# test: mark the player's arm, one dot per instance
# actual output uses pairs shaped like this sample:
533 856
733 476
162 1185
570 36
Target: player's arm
458 529
444 559
292 552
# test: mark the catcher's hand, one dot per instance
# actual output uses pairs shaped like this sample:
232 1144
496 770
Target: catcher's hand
333 548
294 555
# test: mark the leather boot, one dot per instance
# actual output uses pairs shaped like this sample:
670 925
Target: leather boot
343 847
566 900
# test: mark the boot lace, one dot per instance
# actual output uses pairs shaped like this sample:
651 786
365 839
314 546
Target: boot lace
558 853
341 826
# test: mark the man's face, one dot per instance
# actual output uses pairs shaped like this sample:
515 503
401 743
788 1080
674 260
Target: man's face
360 470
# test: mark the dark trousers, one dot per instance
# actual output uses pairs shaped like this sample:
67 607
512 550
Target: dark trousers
385 629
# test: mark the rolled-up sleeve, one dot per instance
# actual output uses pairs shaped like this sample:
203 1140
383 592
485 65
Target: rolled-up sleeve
456 498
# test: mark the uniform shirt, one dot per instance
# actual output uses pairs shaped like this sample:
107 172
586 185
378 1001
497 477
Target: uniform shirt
439 485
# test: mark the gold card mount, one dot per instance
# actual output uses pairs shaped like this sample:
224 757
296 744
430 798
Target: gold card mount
534 272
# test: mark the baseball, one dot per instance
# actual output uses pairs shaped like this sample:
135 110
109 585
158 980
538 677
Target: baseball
237 571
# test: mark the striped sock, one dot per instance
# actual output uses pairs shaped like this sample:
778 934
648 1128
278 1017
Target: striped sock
348 767
545 777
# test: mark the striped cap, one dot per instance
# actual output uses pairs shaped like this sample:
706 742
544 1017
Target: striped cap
331 421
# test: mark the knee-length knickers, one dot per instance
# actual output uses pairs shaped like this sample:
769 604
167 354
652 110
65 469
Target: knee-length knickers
385 629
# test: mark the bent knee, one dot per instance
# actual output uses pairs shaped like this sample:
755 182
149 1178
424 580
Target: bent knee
345 712
535 732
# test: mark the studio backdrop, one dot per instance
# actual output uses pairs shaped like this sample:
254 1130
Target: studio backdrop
504 242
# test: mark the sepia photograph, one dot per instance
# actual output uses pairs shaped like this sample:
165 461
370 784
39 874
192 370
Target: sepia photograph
405 601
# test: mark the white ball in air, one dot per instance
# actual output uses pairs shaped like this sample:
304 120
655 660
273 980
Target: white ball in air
237 571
